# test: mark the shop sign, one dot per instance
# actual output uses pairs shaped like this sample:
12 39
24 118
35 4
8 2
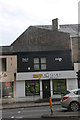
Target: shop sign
37 75
46 75
51 75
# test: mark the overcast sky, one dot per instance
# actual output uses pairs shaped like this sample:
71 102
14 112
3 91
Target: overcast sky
17 15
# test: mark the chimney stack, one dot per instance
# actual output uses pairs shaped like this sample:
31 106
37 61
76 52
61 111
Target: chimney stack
55 24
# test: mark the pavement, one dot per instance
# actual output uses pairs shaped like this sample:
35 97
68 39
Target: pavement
26 104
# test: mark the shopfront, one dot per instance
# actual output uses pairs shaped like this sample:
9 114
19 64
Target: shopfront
45 84
7 89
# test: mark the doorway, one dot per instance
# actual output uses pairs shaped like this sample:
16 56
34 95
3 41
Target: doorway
46 88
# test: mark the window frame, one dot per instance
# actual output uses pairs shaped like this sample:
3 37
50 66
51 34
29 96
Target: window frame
42 65
56 91
36 64
3 63
30 90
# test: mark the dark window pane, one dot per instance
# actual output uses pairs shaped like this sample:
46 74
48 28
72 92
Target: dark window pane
36 64
3 64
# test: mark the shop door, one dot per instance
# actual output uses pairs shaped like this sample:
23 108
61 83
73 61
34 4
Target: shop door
46 88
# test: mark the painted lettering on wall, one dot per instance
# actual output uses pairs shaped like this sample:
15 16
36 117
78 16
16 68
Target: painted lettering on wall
25 59
58 59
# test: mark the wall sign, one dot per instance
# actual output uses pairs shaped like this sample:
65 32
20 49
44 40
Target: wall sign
58 59
25 60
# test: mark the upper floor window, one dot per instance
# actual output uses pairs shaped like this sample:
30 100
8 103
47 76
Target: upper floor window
36 64
40 63
3 64
43 63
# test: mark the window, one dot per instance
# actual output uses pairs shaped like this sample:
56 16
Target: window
32 87
3 64
43 63
77 92
40 63
7 89
59 86
36 63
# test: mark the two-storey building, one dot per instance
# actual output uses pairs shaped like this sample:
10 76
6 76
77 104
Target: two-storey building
43 56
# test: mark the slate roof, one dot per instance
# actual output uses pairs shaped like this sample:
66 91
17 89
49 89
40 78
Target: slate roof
5 50
72 29
37 39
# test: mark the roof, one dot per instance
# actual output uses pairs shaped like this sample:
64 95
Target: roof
23 42
72 29
37 39
5 50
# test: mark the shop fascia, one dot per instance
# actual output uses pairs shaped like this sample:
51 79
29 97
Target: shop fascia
46 75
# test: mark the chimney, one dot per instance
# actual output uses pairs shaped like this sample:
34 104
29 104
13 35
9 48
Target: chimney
55 24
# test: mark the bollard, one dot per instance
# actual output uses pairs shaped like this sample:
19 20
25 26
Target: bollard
51 106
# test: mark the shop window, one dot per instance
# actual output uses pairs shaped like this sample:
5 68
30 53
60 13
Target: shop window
32 88
59 86
3 64
7 89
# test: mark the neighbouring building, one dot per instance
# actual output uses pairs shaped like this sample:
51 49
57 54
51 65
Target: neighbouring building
44 61
8 69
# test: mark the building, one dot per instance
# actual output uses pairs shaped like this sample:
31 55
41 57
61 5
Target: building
45 62
8 69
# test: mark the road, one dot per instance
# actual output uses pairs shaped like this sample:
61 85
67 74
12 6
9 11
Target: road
36 112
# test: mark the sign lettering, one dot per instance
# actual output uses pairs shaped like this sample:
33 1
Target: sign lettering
25 59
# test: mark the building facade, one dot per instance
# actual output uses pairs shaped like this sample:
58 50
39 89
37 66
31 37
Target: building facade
44 74
44 57
8 68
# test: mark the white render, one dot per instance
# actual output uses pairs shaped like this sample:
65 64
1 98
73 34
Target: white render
41 93
76 66
51 75
20 89
72 84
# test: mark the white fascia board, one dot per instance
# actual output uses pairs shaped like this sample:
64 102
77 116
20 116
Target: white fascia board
46 75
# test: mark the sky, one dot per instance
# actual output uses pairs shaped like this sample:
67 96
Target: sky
17 15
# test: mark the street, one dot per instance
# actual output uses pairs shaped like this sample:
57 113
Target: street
37 112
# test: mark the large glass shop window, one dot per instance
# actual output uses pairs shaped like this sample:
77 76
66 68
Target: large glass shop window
59 86
7 89
32 88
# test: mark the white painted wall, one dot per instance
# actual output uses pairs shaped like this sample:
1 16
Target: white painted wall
51 87
71 84
20 89
76 66
41 92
